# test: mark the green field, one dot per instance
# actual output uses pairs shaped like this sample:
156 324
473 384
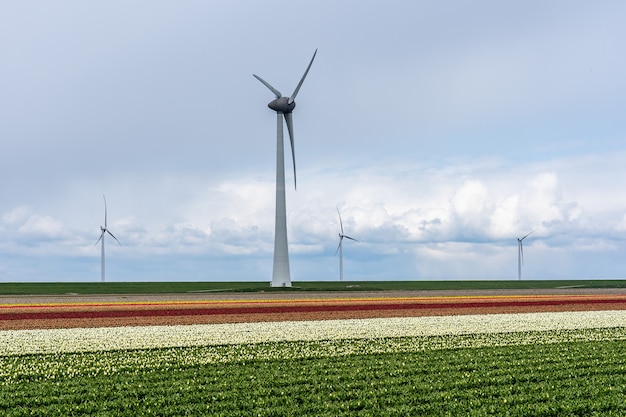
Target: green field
182 287
557 379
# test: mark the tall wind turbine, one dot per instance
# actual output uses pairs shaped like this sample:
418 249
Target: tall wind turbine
340 247
283 106
520 254
104 230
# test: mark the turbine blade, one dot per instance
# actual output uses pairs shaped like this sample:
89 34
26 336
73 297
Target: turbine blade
351 238
113 237
105 211
289 120
339 246
268 85
295 92
527 235
100 238
340 222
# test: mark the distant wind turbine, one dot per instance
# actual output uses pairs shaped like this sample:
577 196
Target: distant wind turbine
520 254
104 230
340 247
283 106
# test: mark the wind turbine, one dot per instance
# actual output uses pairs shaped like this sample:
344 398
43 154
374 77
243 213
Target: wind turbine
520 254
104 230
340 247
283 106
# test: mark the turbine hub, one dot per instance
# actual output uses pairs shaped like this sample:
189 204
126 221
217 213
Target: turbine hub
282 105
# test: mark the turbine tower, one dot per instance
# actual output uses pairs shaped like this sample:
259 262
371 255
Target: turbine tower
520 255
340 247
283 106
104 230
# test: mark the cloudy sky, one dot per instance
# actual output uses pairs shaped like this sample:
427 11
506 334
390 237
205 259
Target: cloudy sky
440 129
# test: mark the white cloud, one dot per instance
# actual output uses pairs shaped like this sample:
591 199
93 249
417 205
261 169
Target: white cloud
16 215
471 206
459 216
505 217
30 226
44 226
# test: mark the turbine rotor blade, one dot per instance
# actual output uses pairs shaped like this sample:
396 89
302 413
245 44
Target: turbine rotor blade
99 239
351 238
340 222
295 92
289 120
268 85
105 211
339 246
113 237
527 235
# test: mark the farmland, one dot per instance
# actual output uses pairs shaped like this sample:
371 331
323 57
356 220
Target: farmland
539 373
547 353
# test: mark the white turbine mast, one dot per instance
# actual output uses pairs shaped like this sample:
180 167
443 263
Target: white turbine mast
340 247
283 106
104 230
520 254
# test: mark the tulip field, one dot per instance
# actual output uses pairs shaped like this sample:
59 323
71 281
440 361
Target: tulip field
260 355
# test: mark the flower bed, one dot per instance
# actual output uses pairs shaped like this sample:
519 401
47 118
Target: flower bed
110 314
14 342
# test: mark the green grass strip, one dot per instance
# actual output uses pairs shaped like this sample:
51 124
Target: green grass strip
58 288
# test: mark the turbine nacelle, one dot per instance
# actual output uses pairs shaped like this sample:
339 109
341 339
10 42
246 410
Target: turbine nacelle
282 104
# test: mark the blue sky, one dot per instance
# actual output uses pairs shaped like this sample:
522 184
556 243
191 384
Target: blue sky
440 129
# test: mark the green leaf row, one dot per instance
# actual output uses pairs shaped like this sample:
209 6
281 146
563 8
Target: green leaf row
566 372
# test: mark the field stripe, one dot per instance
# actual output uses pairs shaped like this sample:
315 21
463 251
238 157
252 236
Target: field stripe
19 342
295 308
435 299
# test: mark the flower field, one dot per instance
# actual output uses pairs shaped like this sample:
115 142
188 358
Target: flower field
372 355
108 313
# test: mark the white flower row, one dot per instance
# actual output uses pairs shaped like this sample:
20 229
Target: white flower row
20 342
48 367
